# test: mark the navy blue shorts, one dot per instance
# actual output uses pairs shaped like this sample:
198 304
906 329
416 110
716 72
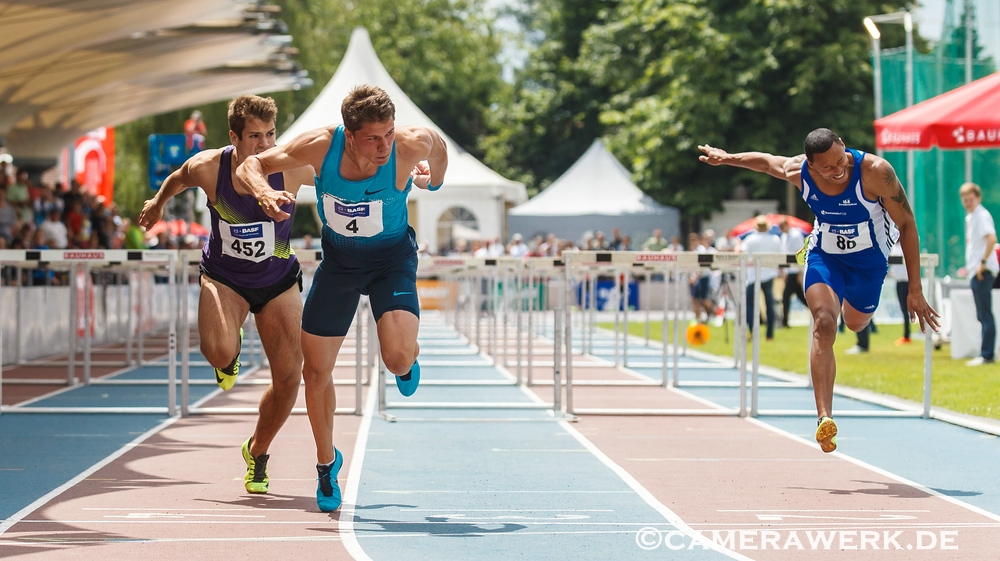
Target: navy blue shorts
336 290
700 288
860 285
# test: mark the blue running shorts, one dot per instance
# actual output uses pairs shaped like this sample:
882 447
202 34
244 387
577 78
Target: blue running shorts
858 283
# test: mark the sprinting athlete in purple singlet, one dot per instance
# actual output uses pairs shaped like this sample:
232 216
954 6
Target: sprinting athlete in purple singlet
246 267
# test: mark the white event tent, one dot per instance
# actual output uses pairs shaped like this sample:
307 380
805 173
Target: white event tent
595 193
473 195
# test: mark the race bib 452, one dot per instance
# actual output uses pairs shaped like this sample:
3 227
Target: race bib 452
250 242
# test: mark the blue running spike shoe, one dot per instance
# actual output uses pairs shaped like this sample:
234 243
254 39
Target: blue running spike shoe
328 491
408 384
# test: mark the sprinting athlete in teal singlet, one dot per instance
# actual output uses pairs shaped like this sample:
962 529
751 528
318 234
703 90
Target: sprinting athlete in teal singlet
366 168
856 198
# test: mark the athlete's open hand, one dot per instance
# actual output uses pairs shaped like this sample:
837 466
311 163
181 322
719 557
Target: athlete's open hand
922 311
272 201
712 156
151 214
421 174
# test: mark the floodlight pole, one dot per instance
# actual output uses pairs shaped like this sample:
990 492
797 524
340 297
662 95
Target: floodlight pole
968 76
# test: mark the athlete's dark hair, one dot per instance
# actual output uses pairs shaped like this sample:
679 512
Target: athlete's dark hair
246 106
366 104
819 141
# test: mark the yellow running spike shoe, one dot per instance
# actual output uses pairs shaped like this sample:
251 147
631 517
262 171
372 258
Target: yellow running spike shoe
802 254
255 479
227 380
826 434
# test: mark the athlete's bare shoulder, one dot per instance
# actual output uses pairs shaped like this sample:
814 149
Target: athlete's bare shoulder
202 169
793 169
413 143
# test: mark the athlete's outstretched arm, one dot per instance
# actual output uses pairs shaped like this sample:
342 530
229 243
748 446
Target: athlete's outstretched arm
880 179
189 175
419 145
781 167
253 172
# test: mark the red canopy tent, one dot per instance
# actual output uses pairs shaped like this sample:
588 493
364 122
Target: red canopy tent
750 224
966 117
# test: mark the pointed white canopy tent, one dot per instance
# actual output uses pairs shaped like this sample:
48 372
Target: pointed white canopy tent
595 193
469 184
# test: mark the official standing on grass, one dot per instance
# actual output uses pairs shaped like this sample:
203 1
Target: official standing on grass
981 265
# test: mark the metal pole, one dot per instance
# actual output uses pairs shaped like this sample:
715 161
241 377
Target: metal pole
129 335
928 345
520 323
626 276
742 334
557 360
478 313
142 320
877 70
531 329
616 291
569 342
185 287
677 321
756 337
663 330
494 291
172 344
74 321
648 282
358 359
968 75
910 173
87 313
18 335
505 305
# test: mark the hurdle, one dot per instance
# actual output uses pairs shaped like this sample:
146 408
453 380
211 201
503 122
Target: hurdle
308 259
622 264
928 262
80 264
475 273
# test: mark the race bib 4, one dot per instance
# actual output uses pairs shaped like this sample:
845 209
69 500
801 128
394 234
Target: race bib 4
845 238
353 219
250 242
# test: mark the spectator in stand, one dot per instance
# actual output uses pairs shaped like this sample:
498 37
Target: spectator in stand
626 244
599 242
517 246
6 167
656 242
617 241
8 218
700 284
74 223
100 220
762 241
55 231
135 238
195 132
17 193
675 244
74 194
551 246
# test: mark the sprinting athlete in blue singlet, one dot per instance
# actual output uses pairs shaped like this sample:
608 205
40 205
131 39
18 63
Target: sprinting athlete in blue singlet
366 168
859 204
247 267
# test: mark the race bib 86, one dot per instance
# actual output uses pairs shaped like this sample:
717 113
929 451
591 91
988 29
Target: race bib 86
845 238
353 219
250 242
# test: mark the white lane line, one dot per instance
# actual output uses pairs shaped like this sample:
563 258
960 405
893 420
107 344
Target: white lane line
637 487
41 501
880 471
346 524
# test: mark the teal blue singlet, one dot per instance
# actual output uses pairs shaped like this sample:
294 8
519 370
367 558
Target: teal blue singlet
363 221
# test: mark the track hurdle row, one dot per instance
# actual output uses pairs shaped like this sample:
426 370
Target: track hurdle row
486 315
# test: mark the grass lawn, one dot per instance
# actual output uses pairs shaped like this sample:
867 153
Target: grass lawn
886 368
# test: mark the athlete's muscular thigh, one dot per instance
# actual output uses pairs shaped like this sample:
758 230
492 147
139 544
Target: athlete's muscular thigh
221 312
278 324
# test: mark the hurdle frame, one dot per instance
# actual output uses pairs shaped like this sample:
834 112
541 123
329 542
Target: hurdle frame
82 261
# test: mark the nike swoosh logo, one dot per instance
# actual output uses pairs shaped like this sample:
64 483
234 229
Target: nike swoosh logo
400 293
369 193
218 379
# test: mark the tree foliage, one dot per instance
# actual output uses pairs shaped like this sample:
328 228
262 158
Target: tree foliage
663 76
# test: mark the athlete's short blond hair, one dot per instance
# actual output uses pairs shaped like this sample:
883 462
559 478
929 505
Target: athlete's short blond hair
249 106
366 104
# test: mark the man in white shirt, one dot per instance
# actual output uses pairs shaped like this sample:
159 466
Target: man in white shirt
56 235
762 241
517 246
981 265
792 240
